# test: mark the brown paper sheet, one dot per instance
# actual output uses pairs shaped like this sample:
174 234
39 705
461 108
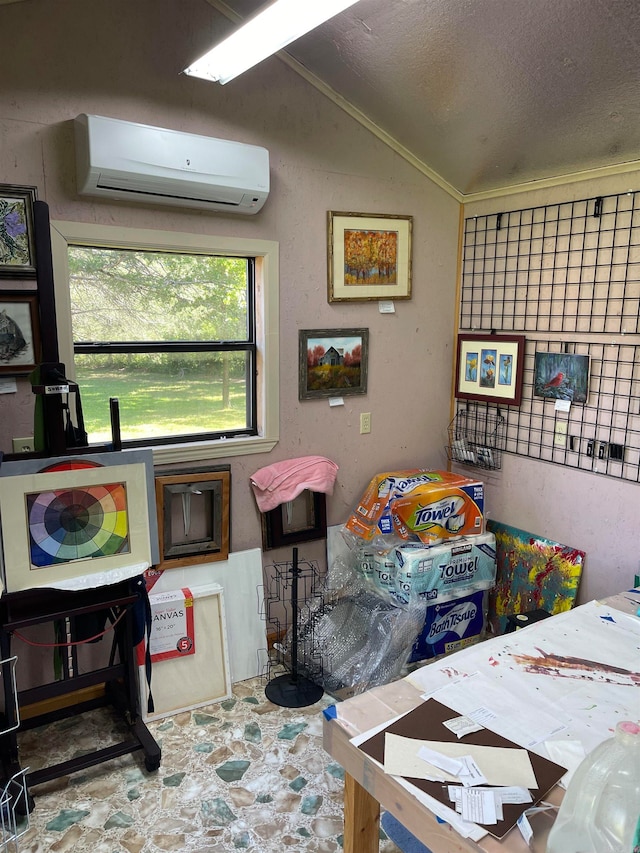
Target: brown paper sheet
426 723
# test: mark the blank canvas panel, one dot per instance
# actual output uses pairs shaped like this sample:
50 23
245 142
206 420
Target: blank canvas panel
183 683
241 579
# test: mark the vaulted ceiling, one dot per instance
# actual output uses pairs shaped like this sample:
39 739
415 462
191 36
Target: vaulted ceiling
484 95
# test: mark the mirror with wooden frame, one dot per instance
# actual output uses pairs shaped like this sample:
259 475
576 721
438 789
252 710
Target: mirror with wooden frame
193 517
301 520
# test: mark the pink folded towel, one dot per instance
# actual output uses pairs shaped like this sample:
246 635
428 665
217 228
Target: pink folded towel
283 481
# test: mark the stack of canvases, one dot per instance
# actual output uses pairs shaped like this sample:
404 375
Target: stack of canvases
419 536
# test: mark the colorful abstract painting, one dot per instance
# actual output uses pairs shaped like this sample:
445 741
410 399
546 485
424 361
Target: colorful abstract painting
533 573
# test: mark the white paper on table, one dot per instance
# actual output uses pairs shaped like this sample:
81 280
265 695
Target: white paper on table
472 775
513 794
566 753
448 815
462 726
500 795
452 766
463 769
445 813
456 795
499 710
478 805
499 765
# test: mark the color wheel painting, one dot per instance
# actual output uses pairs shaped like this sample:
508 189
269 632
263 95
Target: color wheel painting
78 523
533 573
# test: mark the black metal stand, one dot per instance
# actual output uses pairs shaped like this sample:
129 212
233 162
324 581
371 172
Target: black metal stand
32 607
292 690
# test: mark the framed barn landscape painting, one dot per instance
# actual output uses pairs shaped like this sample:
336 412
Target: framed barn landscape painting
489 368
369 256
333 362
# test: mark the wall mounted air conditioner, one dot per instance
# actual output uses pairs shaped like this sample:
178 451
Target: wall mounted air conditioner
136 162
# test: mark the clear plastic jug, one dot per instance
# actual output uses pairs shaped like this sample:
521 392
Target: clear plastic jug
600 812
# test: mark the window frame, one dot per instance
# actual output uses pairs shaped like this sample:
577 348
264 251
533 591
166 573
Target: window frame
266 294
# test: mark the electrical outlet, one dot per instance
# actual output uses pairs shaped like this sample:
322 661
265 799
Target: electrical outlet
23 445
365 422
560 434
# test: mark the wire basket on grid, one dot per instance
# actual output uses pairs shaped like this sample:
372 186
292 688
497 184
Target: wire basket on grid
477 437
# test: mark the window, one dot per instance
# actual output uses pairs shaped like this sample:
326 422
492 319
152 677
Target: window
181 328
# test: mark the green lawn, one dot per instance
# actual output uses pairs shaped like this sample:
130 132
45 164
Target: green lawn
155 404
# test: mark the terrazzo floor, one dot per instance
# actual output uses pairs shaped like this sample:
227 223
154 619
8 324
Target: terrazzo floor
243 774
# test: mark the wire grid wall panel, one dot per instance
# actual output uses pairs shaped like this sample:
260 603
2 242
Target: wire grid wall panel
555 269
567 275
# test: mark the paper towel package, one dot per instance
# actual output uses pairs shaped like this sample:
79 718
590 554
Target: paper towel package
451 625
440 509
384 573
446 571
415 504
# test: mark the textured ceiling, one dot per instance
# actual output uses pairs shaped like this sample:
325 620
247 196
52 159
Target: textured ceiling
487 94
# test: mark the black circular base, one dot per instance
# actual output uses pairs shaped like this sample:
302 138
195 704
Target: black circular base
292 693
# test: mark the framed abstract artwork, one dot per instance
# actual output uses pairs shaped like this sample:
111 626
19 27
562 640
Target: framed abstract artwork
489 368
17 248
369 256
333 362
533 572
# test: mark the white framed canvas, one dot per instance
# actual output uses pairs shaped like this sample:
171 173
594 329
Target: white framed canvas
73 527
200 678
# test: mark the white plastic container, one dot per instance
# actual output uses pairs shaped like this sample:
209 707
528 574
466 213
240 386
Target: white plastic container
600 812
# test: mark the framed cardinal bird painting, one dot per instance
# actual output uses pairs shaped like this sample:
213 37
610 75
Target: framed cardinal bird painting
561 376
489 368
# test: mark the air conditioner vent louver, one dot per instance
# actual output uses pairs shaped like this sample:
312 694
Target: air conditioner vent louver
163 196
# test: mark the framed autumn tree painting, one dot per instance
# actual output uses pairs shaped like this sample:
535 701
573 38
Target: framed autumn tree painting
369 256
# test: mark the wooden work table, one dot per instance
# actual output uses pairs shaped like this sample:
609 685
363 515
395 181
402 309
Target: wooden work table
367 787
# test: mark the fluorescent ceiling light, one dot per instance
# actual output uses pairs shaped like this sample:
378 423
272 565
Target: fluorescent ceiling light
272 29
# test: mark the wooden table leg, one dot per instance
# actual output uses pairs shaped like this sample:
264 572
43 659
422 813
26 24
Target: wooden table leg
361 818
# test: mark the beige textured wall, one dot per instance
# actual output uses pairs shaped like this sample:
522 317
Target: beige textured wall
123 59
586 510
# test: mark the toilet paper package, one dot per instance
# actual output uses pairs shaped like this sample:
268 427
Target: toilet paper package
451 625
443 572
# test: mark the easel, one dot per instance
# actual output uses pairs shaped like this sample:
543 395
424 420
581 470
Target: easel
19 610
